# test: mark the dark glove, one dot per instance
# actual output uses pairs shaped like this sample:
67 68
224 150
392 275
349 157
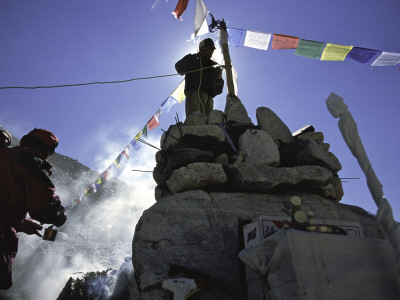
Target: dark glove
30 227
61 217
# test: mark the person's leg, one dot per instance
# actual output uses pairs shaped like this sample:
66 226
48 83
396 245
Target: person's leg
8 252
207 103
6 262
209 107
192 102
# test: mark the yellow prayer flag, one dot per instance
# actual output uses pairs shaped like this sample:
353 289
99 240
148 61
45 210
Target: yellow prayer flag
335 52
179 93
138 135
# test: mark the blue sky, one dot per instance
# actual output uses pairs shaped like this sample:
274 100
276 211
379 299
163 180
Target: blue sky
46 42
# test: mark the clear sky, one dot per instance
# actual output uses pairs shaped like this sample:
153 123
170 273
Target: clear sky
46 42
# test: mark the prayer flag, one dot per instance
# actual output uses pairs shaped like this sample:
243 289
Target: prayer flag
88 190
200 19
98 183
362 55
117 161
135 144
258 40
138 135
167 104
387 59
180 8
310 49
179 93
158 113
281 41
335 52
94 187
236 37
126 152
106 175
144 131
153 123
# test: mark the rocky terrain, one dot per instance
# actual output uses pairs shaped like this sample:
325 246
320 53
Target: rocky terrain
215 175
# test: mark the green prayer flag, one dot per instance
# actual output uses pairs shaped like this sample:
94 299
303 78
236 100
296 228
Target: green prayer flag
117 161
310 49
145 131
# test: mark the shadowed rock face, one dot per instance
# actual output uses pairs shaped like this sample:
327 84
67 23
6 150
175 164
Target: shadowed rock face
263 158
222 181
200 231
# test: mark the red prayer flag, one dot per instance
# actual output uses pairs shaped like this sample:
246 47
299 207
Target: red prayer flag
281 41
180 8
126 154
106 175
153 123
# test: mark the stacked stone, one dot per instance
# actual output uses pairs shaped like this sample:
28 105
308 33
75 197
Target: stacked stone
266 158
208 189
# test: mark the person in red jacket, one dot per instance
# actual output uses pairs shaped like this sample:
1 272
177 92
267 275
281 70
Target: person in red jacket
25 187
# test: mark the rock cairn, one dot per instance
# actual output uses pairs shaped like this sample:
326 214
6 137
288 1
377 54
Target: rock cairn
229 153
216 174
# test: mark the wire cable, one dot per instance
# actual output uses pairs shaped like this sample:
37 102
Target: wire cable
96 82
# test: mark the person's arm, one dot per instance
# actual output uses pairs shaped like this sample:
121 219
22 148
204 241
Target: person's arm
186 64
30 227
43 204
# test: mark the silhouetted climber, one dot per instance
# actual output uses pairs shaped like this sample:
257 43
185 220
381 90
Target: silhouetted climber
202 81
25 187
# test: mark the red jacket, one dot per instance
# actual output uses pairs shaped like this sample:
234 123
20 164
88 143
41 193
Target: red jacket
25 187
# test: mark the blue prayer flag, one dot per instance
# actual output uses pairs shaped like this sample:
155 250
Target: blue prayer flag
362 55
167 104
135 145
236 37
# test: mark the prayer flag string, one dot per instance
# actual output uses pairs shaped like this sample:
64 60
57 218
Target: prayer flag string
118 165
310 49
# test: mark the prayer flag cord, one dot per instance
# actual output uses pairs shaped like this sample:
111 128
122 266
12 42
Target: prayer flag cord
97 82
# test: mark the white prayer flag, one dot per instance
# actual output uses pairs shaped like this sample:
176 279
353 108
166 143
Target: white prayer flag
258 40
200 19
94 188
387 59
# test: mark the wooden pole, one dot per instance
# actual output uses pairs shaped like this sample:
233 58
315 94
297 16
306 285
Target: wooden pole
227 59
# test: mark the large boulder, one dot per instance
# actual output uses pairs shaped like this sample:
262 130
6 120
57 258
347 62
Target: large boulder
259 148
196 176
215 117
176 131
174 158
235 110
201 232
196 118
312 153
268 121
263 178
